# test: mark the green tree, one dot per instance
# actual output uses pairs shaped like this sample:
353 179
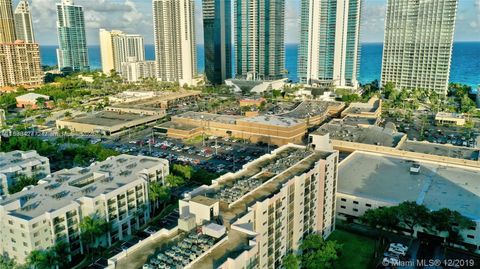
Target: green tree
39 259
184 171
291 262
318 253
21 182
384 218
174 181
92 227
6 263
40 102
449 221
157 195
412 214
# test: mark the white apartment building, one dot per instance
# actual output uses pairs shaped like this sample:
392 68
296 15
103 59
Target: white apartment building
267 207
371 180
134 71
115 189
116 48
418 43
330 42
16 163
175 51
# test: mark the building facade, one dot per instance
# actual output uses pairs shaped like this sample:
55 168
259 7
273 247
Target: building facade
72 54
417 49
20 64
175 51
330 42
217 36
23 22
117 48
17 163
259 27
135 71
115 190
268 220
7 24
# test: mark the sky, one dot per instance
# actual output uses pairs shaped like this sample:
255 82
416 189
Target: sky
135 16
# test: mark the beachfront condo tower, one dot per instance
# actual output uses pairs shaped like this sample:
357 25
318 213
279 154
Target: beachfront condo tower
117 48
259 27
23 22
329 43
217 36
7 25
72 54
417 50
175 51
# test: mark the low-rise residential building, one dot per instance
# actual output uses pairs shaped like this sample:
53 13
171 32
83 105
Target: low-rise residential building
267 208
276 130
442 118
115 190
16 163
32 101
108 122
372 180
20 64
154 99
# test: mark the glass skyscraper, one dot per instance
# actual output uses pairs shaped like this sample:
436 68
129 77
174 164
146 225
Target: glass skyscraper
329 43
72 54
217 35
417 50
23 22
259 27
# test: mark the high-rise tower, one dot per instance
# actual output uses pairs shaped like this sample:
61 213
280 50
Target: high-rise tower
175 51
72 55
23 22
217 36
117 47
7 25
259 27
417 50
329 42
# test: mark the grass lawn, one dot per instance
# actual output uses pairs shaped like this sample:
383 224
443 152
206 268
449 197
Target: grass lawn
357 251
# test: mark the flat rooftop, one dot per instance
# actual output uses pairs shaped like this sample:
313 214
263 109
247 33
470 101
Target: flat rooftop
359 108
312 108
66 186
13 161
389 179
352 120
279 121
441 150
373 135
267 176
206 117
110 119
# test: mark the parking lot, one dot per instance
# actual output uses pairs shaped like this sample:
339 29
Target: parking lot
215 154
422 127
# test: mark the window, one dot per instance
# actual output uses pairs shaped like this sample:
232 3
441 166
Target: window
22 226
25 244
355 202
471 236
355 210
10 222
343 207
368 205
37 243
35 225
343 200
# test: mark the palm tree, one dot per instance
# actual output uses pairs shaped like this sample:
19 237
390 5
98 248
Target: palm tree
37 259
154 193
91 228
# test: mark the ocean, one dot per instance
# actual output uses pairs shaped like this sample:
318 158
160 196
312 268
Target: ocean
465 60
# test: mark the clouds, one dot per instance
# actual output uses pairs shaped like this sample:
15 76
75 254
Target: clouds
135 16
